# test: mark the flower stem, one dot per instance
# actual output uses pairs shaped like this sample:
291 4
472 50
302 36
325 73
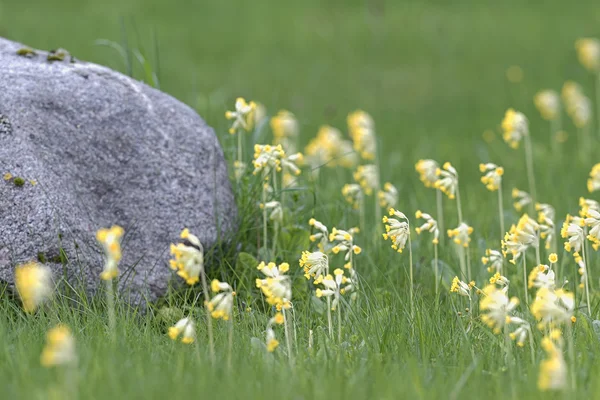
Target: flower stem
525 280
587 285
598 101
412 299
287 337
329 317
264 201
458 205
530 174
436 272
230 344
339 312
468 262
211 344
110 305
571 356
501 211
440 211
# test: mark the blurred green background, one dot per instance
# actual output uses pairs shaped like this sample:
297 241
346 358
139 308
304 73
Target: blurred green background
432 73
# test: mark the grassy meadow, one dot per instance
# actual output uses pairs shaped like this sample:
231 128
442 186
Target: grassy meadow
434 76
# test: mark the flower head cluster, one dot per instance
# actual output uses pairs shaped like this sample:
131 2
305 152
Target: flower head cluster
496 307
272 343
546 215
593 182
548 104
461 288
186 328
427 172
430 225
290 164
110 239
493 260
521 198
285 130
220 306
276 287
330 149
274 209
515 127
188 257
553 369
493 176
500 280
388 197
60 347
315 264
353 194
267 158
242 116
553 308
542 276
344 242
367 177
523 330
461 235
588 52
447 180
322 234
520 237
34 285
592 220
578 106
572 230
362 132
397 229
335 286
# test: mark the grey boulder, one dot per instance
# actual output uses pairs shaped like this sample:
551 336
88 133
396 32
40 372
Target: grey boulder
83 147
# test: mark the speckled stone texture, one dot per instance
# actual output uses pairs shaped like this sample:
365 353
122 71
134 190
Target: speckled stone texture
104 149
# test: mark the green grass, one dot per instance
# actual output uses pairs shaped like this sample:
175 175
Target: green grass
432 74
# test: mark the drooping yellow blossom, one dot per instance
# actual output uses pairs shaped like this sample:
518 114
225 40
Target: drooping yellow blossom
447 180
522 199
461 288
34 284
548 104
362 132
60 347
274 209
520 237
493 260
267 158
593 183
388 197
430 225
242 116
541 276
329 149
221 305
367 177
553 369
496 307
110 239
188 257
523 330
353 194
553 308
315 264
427 172
276 287
588 52
572 230
186 328
322 234
592 220
493 176
334 287
578 106
587 204
397 229
461 235
514 127
343 241
272 343
500 280
285 130
546 216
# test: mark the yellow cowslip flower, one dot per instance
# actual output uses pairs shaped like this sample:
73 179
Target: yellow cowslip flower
329 149
546 215
514 127
522 199
110 239
572 230
548 104
362 132
353 194
285 130
276 287
498 279
344 242
496 307
274 209
587 204
593 183
461 288
578 106
493 260
185 328
427 172
552 308
322 234
541 276
592 220
272 343
60 347
588 52
493 176
388 197
553 369
520 237
430 225
267 158
367 177
523 330
188 257
242 116
34 284
447 180
333 287
461 235
290 163
315 264
397 229
220 306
